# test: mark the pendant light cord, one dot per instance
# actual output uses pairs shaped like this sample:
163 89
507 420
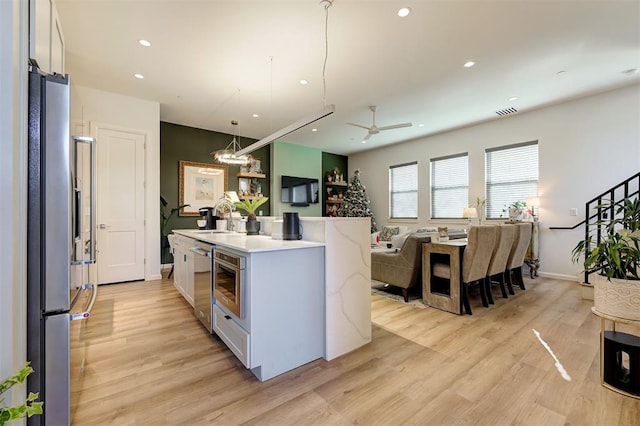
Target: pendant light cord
327 4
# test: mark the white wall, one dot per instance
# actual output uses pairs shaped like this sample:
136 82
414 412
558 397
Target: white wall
586 146
13 184
90 107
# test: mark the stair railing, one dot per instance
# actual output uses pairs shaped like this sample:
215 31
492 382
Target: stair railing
602 208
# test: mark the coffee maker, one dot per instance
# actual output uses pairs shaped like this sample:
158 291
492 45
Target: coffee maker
208 216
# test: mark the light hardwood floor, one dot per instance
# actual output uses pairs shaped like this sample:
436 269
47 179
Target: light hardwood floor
148 361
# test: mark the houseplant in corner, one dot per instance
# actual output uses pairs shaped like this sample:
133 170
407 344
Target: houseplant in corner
614 262
250 205
30 406
164 226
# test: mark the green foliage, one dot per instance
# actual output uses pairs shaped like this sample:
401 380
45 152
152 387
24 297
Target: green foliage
164 219
617 255
251 205
356 201
29 408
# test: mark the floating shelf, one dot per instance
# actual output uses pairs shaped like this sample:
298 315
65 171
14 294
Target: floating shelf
338 201
337 184
251 175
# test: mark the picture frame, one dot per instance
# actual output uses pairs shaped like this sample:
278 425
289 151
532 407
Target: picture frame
201 185
244 186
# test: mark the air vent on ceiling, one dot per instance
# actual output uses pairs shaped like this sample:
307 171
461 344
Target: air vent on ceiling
506 111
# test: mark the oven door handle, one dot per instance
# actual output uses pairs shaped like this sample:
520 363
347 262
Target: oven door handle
201 251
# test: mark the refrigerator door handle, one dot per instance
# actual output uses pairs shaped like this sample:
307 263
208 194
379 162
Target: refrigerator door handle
86 313
90 245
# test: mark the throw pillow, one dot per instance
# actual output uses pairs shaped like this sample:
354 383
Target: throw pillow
398 240
388 232
427 229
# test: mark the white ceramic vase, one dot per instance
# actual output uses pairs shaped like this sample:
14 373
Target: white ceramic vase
619 298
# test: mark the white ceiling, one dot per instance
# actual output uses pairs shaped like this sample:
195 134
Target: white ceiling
214 61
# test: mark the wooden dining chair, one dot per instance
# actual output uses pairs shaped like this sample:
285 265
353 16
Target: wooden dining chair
499 258
477 254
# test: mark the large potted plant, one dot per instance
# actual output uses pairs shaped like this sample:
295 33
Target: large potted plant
250 205
614 261
164 226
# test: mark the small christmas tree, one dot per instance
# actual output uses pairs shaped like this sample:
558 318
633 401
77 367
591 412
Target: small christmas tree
356 202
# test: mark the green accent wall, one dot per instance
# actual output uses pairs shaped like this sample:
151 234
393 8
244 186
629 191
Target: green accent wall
329 161
182 143
294 160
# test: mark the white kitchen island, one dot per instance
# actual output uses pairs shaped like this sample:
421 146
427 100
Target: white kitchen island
302 300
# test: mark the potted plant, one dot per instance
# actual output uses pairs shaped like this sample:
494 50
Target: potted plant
164 225
615 261
250 205
515 210
30 406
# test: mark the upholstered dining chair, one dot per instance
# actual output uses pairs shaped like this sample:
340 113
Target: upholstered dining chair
481 241
513 272
498 263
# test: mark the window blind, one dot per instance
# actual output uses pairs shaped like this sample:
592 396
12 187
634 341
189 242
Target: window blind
403 191
511 175
449 186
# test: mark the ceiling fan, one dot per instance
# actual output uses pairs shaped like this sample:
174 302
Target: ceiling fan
373 129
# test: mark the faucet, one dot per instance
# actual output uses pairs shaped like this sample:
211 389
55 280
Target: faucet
225 204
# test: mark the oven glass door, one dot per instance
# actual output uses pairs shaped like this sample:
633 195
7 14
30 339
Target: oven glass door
226 287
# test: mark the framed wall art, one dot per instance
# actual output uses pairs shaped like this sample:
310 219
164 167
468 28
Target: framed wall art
201 185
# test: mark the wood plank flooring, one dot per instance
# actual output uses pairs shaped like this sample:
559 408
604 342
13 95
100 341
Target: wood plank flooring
148 361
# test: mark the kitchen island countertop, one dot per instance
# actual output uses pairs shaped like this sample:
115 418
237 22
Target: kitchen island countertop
246 243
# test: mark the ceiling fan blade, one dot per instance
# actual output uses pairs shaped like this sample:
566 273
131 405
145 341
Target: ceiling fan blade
395 126
366 138
359 125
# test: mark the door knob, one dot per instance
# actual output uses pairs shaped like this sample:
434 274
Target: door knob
103 226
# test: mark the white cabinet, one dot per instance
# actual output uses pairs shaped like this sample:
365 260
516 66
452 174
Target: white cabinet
46 43
183 267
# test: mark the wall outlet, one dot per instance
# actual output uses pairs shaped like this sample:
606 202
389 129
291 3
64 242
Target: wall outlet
573 211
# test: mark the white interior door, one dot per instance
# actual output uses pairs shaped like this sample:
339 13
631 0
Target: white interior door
120 205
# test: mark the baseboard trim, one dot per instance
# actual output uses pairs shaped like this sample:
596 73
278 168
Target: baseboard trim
563 277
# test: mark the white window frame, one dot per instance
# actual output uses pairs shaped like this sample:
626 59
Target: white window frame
450 184
412 189
511 174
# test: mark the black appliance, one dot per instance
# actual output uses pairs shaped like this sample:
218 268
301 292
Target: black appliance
291 226
207 214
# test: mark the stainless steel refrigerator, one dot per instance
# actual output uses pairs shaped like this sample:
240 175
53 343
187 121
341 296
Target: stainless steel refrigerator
60 241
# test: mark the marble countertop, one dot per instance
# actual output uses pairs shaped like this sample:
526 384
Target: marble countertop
246 243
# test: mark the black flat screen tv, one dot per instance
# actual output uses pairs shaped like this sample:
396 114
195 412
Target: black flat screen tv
300 191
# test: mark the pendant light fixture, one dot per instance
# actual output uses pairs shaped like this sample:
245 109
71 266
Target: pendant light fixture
229 155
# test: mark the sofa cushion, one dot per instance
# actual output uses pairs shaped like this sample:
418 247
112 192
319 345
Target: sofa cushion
398 240
388 232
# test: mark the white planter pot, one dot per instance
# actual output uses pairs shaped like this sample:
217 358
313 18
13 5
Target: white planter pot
618 298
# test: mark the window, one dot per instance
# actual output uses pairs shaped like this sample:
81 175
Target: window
403 191
449 186
512 175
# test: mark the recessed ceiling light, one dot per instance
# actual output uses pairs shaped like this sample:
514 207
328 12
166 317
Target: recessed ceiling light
469 64
363 142
255 116
314 130
303 82
513 98
139 76
420 125
144 42
404 11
